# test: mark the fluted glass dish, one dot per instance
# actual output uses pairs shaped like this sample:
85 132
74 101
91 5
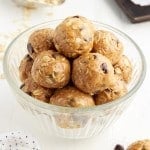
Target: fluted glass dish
73 122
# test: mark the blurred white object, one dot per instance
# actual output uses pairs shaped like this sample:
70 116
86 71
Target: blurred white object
142 2
18 141
36 3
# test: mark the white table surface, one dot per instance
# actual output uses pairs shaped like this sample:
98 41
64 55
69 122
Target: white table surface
134 123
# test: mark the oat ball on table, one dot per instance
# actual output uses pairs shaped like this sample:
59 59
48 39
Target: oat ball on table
39 41
140 145
74 36
51 70
107 44
25 67
92 72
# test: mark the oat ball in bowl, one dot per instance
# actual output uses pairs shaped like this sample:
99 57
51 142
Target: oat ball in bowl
40 40
92 72
123 69
74 36
71 97
25 67
107 44
33 89
98 117
51 70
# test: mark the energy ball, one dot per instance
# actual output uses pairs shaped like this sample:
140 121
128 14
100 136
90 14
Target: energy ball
71 97
39 41
25 67
51 70
107 44
74 36
116 91
33 89
123 69
140 145
92 72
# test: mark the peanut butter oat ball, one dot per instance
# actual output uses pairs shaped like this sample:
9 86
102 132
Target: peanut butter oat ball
111 93
74 36
25 67
140 145
51 70
107 44
71 97
123 69
92 72
33 89
39 41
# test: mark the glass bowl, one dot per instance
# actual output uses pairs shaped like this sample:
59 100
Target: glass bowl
73 122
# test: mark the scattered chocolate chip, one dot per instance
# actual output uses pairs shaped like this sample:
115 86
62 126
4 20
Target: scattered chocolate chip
119 147
104 68
30 48
76 17
21 88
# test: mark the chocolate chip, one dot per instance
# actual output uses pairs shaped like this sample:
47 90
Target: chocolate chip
72 102
22 86
54 55
108 90
94 56
81 28
28 57
104 68
117 43
87 39
76 17
29 93
30 48
119 147
47 96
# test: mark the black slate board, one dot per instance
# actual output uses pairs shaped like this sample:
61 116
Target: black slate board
136 13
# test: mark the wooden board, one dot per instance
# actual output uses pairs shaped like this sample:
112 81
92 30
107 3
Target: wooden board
136 13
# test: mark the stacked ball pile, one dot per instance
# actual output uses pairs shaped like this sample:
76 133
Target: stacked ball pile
75 65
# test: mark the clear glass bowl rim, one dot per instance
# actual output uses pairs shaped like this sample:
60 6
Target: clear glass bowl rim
70 109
